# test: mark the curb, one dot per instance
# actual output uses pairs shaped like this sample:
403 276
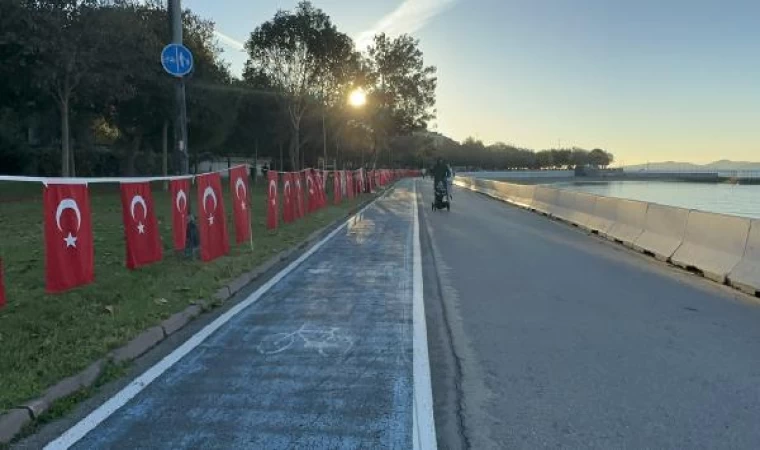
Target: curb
14 420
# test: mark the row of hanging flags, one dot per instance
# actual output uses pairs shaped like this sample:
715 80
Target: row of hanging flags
69 248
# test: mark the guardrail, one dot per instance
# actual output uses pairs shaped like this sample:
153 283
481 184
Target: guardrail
723 248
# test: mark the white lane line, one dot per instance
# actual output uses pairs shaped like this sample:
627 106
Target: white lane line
423 423
84 426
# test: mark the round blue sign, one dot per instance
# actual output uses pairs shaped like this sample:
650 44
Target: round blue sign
177 60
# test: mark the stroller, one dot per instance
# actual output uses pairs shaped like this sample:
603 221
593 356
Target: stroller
441 197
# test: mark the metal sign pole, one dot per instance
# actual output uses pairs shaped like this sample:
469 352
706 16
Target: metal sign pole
180 126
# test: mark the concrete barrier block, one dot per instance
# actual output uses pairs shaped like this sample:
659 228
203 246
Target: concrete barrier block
713 243
506 191
11 424
488 187
544 199
630 221
564 206
603 216
583 209
664 230
139 345
525 196
746 275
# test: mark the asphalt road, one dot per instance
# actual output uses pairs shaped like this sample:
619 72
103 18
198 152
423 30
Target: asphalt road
542 336
321 360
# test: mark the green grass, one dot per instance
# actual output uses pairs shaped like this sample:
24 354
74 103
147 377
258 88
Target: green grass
44 338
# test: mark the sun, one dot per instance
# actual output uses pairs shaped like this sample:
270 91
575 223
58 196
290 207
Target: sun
357 98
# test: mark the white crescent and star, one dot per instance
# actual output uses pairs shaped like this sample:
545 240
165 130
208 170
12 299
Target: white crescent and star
286 190
68 203
181 196
209 192
273 187
139 200
240 184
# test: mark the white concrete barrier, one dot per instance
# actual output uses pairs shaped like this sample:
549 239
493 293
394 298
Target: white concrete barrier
664 230
574 207
525 195
563 206
476 184
584 209
544 199
629 221
603 216
464 182
713 243
746 275
506 191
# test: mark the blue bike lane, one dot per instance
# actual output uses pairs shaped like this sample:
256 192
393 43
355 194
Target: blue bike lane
322 359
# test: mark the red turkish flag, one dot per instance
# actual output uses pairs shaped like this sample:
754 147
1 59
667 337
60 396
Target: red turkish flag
350 184
140 225
272 207
288 198
211 218
240 203
180 189
299 184
337 188
311 192
69 250
321 182
2 286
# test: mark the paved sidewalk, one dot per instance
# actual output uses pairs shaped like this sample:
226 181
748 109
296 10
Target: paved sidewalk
322 360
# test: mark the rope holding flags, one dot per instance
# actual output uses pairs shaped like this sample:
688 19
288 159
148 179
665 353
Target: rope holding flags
68 228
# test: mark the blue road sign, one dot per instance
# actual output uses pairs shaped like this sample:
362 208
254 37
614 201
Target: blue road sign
177 60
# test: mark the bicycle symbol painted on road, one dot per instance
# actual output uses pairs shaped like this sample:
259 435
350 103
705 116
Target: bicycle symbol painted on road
330 341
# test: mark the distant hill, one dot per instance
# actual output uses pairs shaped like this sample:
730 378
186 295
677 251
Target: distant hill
723 164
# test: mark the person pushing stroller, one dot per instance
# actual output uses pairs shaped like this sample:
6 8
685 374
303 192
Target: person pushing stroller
441 174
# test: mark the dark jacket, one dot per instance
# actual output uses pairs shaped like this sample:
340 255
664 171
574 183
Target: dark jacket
440 173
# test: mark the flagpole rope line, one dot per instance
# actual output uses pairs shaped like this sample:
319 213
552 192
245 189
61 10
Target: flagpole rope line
88 180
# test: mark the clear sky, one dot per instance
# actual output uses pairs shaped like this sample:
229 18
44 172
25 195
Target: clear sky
649 80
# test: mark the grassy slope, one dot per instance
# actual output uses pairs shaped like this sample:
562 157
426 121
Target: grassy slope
44 338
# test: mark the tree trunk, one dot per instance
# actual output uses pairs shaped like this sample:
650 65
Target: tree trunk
295 141
324 141
131 156
255 161
73 163
65 149
337 150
